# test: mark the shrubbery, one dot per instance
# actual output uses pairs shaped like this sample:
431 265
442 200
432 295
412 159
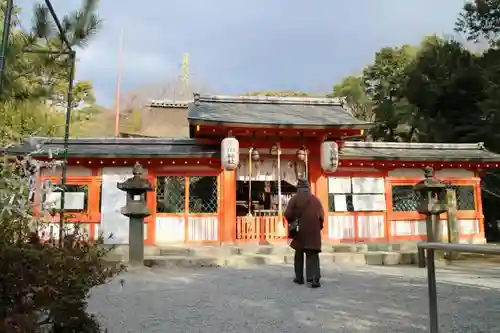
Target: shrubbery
44 285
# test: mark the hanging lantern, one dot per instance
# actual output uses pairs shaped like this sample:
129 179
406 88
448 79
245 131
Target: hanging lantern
274 150
329 156
255 155
301 154
230 153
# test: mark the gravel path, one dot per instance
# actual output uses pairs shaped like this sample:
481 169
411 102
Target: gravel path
264 300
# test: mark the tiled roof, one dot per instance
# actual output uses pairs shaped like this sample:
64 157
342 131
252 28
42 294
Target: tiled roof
460 152
275 111
168 147
121 147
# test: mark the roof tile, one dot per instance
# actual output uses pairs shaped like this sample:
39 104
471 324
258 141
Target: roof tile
270 110
180 147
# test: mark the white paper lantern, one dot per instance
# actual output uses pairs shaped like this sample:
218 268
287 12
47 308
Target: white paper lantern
230 153
329 156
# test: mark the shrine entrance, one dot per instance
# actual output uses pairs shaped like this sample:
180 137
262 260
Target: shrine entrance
264 186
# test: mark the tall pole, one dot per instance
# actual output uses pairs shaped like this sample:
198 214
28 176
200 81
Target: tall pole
64 171
185 77
280 204
250 181
5 38
118 85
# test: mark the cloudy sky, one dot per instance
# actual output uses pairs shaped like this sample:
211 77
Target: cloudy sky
240 45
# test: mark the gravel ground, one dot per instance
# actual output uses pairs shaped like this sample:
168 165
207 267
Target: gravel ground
264 299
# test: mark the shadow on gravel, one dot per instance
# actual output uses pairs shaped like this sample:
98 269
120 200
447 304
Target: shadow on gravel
265 300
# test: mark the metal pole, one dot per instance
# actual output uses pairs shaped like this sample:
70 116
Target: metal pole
5 38
118 85
431 281
64 171
250 181
58 24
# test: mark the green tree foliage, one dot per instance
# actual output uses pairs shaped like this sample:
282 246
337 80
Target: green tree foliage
480 19
446 85
37 75
436 92
83 95
18 118
384 82
35 84
353 89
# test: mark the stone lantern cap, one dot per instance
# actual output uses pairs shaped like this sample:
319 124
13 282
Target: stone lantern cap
430 183
137 184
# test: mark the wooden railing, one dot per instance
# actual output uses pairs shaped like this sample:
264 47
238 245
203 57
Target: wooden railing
260 228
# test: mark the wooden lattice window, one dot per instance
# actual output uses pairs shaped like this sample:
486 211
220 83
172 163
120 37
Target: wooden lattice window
404 198
465 197
203 194
170 194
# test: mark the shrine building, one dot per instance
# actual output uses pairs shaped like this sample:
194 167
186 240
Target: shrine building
229 180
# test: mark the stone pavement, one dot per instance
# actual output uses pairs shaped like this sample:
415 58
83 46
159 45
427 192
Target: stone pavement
264 300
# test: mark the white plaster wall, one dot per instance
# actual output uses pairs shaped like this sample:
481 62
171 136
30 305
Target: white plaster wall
454 173
345 169
442 173
113 199
182 167
73 170
407 172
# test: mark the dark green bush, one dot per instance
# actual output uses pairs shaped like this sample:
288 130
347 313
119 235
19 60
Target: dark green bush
44 285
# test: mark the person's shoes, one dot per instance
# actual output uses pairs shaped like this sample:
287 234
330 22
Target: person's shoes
315 283
310 280
298 281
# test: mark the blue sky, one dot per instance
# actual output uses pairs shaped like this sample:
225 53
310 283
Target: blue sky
237 46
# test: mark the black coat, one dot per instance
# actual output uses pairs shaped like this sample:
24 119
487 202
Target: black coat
308 209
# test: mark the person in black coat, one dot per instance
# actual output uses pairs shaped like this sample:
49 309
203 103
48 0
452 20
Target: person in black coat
308 210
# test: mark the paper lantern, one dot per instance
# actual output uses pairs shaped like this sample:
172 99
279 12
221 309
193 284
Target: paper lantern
329 156
301 154
255 155
230 153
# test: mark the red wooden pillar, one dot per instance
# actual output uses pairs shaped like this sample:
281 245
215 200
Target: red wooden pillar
479 209
319 182
94 195
228 211
151 203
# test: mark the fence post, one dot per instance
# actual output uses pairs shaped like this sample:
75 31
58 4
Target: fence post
432 289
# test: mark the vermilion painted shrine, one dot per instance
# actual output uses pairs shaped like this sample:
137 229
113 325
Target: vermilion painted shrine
368 196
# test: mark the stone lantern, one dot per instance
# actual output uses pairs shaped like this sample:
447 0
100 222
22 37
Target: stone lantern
136 210
431 192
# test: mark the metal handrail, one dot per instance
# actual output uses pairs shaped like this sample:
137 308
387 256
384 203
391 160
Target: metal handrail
430 248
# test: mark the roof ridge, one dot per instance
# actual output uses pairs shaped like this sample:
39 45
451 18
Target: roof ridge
169 103
111 140
268 100
415 145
